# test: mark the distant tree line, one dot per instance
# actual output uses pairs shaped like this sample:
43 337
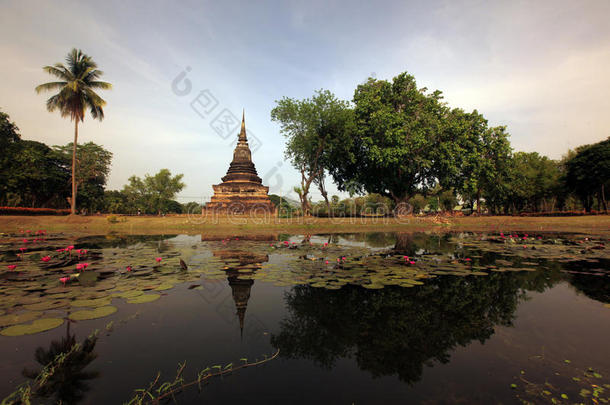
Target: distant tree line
404 143
35 175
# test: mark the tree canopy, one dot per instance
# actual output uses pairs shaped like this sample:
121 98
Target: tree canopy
316 129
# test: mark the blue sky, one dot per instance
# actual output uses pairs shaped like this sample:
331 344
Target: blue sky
538 67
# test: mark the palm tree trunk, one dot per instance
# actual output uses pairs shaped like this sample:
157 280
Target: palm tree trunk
73 201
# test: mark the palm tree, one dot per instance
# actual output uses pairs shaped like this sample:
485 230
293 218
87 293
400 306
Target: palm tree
77 85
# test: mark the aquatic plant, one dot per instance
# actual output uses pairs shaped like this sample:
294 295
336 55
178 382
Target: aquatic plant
156 392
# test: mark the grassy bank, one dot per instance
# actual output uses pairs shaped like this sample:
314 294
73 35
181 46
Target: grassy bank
593 225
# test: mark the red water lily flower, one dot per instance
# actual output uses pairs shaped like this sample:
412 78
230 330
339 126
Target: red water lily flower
45 258
12 267
158 259
64 280
128 268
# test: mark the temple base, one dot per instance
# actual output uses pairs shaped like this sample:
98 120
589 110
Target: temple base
241 198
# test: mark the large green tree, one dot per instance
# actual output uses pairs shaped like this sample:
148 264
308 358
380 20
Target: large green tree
588 174
36 177
76 92
399 129
472 158
9 139
316 129
93 163
154 194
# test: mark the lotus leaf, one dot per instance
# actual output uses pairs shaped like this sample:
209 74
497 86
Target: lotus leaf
39 325
142 299
13 319
87 314
92 303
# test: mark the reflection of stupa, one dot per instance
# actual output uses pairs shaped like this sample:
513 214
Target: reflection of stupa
241 263
241 190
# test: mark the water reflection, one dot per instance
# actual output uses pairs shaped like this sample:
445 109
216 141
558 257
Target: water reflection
66 381
239 265
399 330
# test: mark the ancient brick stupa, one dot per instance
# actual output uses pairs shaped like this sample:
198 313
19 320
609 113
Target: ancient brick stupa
241 190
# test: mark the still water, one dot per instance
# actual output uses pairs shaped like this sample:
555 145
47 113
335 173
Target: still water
355 318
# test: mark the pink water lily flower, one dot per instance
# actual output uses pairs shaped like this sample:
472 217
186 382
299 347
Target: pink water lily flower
411 262
25 240
158 259
64 280
70 247
45 258
22 249
326 262
81 266
60 250
12 267
128 268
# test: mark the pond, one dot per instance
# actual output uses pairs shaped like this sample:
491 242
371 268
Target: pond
342 318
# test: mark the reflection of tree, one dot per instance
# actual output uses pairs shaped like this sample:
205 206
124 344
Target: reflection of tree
594 287
398 330
66 379
410 243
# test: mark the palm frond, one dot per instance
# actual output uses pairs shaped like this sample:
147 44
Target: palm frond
50 86
57 72
53 103
100 85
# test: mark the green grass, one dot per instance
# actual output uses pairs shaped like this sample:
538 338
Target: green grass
91 225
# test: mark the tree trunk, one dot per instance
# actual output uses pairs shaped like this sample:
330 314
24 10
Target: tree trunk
605 205
402 207
73 200
305 184
478 201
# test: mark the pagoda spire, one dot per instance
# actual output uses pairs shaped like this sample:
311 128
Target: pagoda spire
242 133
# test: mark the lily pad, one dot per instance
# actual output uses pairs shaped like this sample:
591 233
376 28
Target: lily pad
164 286
45 305
87 314
14 319
92 303
144 298
39 325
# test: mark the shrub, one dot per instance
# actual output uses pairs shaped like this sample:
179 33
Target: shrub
32 211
